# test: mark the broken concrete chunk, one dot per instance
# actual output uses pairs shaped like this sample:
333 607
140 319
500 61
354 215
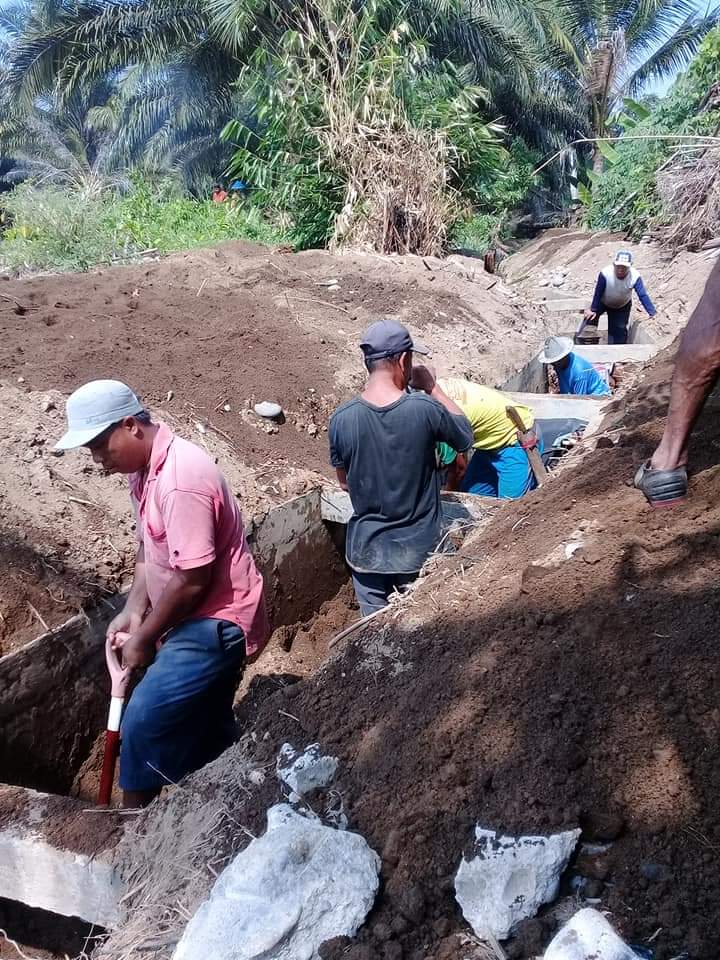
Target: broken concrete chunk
267 409
508 879
306 771
588 936
289 891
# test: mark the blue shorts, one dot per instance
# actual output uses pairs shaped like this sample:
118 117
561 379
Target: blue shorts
504 473
180 715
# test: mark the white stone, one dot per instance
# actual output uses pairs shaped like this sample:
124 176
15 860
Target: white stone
290 890
268 409
588 936
306 771
508 879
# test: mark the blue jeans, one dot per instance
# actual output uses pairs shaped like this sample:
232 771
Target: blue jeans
180 715
373 589
501 473
617 322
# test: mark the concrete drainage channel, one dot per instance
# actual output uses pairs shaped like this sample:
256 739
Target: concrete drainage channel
58 889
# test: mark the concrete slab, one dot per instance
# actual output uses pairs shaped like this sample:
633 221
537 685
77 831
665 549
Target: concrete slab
297 557
73 876
551 406
336 506
617 353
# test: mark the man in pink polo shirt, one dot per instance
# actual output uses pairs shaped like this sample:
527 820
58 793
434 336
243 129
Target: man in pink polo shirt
195 610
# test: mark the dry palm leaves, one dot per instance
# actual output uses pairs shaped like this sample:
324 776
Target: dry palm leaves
690 190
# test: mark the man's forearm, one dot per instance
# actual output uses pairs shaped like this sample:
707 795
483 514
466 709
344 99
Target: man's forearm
598 293
177 601
137 599
450 405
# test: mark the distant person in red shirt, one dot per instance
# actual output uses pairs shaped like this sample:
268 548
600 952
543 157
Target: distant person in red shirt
218 194
196 608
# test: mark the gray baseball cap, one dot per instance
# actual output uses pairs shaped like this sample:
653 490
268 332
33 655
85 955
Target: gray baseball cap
93 408
386 338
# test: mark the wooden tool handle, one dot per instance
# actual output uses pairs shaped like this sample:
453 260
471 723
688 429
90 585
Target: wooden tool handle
516 418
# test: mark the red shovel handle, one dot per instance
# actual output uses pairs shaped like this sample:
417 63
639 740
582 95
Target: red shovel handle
112 749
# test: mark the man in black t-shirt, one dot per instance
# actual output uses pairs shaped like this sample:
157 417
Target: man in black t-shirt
382 444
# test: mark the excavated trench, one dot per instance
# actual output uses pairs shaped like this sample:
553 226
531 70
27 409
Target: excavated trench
57 885
52 717
55 693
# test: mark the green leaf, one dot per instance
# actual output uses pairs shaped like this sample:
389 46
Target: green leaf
639 111
584 195
608 152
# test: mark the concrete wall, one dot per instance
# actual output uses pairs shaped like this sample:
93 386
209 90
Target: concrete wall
53 701
336 506
531 379
298 558
551 406
40 870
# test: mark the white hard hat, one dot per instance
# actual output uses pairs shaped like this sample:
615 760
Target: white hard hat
93 408
555 348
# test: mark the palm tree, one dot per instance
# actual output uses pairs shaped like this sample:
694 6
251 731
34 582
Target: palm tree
619 46
513 49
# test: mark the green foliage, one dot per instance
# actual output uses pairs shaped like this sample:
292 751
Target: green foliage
625 197
495 194
54 229
342 87
477 232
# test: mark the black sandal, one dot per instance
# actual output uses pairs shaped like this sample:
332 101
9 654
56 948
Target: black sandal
662 488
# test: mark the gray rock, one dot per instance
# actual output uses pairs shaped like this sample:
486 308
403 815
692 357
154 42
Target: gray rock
508 879
588 936
289 891
305 771
268 409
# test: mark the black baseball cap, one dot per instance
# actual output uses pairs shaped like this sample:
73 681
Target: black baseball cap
387 338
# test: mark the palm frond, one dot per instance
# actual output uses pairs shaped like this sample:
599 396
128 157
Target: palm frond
674 54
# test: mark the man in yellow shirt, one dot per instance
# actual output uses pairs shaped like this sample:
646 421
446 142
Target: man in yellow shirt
499 466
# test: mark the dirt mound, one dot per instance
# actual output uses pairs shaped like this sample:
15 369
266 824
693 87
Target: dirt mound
529 687
238 324
202 336
674 284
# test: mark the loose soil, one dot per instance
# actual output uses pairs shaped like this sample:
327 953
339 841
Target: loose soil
516 688
228 326
527 692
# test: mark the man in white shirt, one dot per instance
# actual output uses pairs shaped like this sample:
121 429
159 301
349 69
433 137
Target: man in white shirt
613 296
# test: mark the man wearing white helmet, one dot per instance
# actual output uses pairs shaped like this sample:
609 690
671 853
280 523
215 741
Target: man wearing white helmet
613 296
575 374
196 608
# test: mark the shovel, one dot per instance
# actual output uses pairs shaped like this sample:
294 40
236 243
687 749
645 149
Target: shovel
528 441
119 677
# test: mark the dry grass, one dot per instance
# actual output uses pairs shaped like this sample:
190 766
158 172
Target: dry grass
690 190
171 857
398 199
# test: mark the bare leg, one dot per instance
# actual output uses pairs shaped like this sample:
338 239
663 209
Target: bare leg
133 799
697 367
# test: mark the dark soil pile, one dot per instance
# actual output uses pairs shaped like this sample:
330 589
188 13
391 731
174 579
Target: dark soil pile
532 694
45 936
